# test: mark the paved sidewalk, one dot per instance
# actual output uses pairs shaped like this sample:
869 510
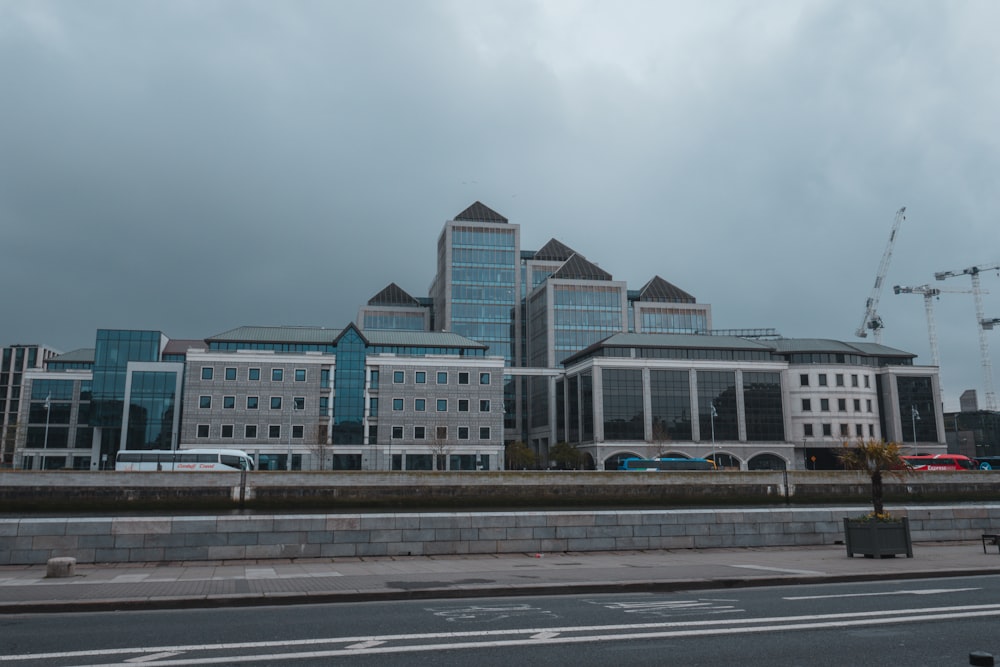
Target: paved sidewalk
25 589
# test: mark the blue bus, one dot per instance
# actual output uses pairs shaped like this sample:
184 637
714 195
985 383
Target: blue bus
662 464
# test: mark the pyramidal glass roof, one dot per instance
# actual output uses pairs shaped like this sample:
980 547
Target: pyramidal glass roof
554 251
393 295
578 267
479 212
658 289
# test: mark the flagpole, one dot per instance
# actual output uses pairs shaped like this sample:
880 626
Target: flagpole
48 406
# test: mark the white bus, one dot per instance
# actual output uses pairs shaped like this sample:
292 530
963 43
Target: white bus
183 459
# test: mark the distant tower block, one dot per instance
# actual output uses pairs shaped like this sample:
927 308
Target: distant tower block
967 401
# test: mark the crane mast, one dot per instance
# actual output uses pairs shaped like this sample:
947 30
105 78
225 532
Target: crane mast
871 319
929 293
982 324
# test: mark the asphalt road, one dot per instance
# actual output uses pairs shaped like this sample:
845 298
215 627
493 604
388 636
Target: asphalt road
890 622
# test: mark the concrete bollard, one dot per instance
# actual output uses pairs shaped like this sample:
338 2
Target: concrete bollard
64 566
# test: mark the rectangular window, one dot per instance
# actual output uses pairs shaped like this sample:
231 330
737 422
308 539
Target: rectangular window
827 429
230 374
441 433
207 372
397 404
822 379
868 405
419 404
859 430
484 432
807 404
418 432
442 405
202 430
397 432
420 377
297 431
484 405
484 378
300 375
324 378
274 431
397 377
227 430
857 405
804 380
463 378
277 374
840 379
867 384
807 430
324 405
253 375
276 402
871 430
442 377
463 405
373 406
854 379
252 402
250 431
842 404
824 404
299 403
844 432
463 432
373 379
205 402
228 402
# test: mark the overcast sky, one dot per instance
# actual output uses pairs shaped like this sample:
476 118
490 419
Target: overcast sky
192 167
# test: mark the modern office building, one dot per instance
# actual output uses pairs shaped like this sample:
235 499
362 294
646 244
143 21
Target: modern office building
542 347
293 397
16 360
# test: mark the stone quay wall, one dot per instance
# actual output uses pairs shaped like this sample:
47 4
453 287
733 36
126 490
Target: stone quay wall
34 540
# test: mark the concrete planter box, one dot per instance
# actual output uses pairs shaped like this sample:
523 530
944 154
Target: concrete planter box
878 539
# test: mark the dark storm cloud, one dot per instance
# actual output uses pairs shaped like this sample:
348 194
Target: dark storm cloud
195 166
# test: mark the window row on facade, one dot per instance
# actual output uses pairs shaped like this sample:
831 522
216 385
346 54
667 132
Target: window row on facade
231 374
839 380
420 377
824 405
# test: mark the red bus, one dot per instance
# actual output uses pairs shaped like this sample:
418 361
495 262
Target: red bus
940 462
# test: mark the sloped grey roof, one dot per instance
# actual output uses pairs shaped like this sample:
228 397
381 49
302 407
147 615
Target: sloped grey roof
421 339
181 346
84 354
793 345
250 334
578 267
393 295
479 212
682 340
658 289
554 251
318 335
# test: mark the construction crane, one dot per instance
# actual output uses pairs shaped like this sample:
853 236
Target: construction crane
982 324
929 293
872 320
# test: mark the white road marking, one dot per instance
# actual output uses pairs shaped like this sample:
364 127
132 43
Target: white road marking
577 634
919 591
587 638
150 658
777 569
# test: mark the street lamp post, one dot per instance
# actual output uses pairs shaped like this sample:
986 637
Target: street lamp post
291 413
914 416
715 454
